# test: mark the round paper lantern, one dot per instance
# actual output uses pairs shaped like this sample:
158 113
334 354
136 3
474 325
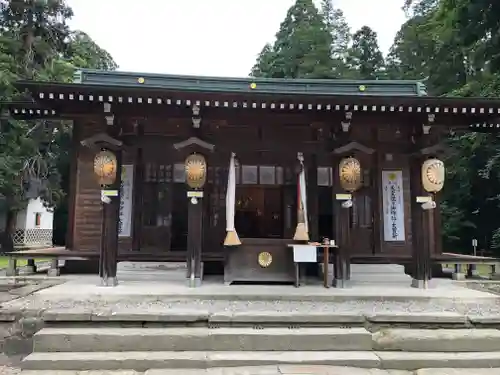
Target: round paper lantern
105 166
433 175
196 171
350 174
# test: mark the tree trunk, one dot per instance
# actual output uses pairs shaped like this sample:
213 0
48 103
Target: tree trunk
7 242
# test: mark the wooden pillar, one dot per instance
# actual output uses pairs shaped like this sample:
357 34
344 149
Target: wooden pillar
195 231
30 266
312 197
289 201
138 192
376 174
110 226
342 226
438 249
74 155
194 197
421 238
108 262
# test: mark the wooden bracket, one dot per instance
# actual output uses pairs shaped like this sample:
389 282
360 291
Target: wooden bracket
102 140
353 146
194 141
437 149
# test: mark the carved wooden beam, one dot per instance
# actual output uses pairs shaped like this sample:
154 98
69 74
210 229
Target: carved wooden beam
353 146
436 149
194 141
102 140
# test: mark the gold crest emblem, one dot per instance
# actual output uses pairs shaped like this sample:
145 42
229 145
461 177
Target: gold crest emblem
350 174
265 259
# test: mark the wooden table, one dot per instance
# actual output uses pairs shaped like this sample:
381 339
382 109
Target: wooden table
326 263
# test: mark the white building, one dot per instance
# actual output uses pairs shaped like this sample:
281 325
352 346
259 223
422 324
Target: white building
34 225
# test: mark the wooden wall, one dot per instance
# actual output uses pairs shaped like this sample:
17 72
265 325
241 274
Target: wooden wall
87 204
237 131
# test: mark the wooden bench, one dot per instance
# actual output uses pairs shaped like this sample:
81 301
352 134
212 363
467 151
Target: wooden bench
460 260
54 254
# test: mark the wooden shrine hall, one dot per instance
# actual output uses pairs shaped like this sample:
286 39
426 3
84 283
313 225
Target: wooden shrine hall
232 174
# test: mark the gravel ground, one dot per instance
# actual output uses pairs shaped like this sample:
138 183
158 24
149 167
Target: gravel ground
6 370
353 307
486 287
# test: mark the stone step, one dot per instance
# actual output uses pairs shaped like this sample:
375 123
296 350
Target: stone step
437 319
102 339
413 361
87 339
142 361
439 340
277 370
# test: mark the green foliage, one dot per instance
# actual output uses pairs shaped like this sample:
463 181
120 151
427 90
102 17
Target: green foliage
409 55
83 52
364 59
302 48
318 44
36 43
455 45
341 37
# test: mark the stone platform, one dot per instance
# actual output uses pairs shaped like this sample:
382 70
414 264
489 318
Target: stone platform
140 281
152 320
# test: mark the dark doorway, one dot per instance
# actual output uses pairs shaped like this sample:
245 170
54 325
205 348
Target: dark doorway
259 211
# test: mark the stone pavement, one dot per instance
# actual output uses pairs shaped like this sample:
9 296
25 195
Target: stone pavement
264 370
172 284
154 290
166 290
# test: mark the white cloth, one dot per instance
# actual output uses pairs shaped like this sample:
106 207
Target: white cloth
231 195
303 194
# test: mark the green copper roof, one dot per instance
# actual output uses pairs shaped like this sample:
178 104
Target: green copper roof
250 84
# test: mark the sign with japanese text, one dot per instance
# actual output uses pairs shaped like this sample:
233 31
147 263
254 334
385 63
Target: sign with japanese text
393 206
126 198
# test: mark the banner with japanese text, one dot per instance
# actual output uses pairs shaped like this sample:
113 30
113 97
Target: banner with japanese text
126 198
393 206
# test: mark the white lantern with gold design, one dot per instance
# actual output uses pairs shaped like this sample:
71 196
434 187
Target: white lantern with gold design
105 167
433 175
196 171
350 174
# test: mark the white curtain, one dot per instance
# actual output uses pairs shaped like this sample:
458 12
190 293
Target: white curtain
302 192
231 195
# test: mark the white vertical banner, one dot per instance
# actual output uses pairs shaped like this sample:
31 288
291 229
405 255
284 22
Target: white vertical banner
126 198
393 206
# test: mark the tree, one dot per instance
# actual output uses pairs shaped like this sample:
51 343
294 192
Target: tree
302 48
365 60
455 44
36 43
83 52
265 62
411 52
341 36
32 35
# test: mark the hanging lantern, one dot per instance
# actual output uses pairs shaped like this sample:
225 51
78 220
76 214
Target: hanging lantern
196 171
433 175
105 166
350 174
